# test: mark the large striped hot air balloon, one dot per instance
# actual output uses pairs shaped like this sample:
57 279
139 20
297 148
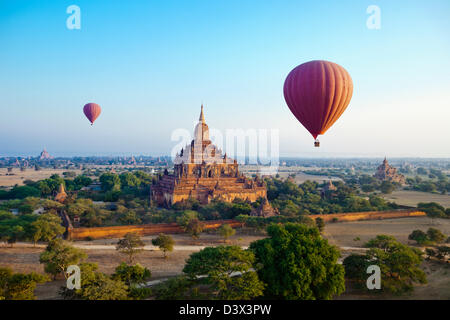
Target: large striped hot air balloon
318 92
92 111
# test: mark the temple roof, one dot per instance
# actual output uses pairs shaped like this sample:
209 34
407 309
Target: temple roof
202 116
61 195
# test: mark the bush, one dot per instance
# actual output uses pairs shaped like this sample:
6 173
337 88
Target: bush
432 209
177 288
226 231
18 286
164 242
132 275
419 236
435 235
355 267
320 224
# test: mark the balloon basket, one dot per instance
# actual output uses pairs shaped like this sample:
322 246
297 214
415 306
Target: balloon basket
317 143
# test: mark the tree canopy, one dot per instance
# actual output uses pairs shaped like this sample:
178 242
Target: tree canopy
228 271
296 263
58 255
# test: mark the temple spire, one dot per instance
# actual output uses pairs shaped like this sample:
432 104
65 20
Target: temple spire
202 116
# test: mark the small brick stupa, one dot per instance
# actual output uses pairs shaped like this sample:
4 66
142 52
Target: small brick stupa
61 196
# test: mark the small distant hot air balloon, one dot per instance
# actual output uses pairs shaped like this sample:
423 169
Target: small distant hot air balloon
92 111
318 92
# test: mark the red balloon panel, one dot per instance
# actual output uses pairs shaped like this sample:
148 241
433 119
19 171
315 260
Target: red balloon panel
318 92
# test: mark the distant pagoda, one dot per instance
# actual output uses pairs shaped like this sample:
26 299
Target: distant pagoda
385 172
61 195
45 155
202 172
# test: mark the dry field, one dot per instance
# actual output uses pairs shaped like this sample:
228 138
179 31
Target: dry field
438 274
207 239
26 259
343 234
30 174
412 198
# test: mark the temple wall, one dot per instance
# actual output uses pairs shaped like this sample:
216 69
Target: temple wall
369 215
168 228
143 230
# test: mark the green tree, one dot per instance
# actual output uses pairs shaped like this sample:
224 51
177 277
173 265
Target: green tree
381 241
296 263
443 252
81 181
399 264
164 242
435 235
387 187
228 272
422 171
226 231
16 233
368 188
29 204
130 245
320 224
48 204
419 236
190 223
129 217
110 182
355 266
58 255
22 192
132 275
4 234
47 227
432 209
176 288
96 286
18 286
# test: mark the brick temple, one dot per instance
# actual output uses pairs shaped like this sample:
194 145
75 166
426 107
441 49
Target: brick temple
202 172
389 173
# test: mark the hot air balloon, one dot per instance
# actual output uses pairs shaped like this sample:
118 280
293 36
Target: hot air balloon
92 111
318 92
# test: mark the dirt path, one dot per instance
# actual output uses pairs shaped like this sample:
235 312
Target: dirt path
113 247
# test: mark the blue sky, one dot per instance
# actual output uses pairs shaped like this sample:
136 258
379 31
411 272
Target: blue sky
150 64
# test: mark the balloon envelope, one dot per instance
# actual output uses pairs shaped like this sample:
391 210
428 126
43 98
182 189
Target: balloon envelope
92 111
318 92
